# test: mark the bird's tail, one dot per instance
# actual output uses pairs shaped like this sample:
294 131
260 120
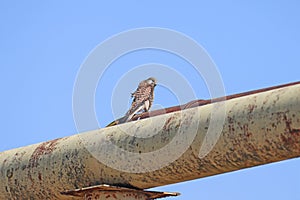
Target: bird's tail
112 123
127 118
129 115
117 121
121 120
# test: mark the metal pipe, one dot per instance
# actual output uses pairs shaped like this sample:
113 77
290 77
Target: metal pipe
258 129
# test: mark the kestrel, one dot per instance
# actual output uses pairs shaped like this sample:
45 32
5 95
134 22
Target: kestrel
142 100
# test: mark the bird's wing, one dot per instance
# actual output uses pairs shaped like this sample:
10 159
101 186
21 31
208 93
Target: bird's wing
141 95
147 104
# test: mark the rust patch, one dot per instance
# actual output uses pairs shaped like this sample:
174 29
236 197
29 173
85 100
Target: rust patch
251 107
292 140
40 176
288 123
291 135
167 124
10 173
295 131
170 121
43 149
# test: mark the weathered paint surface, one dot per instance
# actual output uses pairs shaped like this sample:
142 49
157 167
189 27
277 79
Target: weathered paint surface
259 128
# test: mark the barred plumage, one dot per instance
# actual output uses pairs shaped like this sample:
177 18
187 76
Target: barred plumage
142 100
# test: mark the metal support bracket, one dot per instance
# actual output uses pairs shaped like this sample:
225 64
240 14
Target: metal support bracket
108 192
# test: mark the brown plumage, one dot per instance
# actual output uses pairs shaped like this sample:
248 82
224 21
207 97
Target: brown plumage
142 100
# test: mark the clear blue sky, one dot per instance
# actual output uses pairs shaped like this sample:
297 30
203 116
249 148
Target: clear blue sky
254 44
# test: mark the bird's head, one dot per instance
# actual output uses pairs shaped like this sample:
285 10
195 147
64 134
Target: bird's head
151 81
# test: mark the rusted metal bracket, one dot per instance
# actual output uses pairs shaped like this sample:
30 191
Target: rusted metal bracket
108 192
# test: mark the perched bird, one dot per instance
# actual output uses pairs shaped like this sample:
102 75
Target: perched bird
142 100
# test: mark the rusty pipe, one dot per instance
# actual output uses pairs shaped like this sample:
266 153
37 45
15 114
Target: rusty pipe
257 129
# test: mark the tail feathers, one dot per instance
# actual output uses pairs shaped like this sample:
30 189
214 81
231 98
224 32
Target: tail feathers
121 120
127 118
137 109
117 121
112 123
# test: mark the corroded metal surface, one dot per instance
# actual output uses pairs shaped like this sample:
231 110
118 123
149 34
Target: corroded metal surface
259 128
113 192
